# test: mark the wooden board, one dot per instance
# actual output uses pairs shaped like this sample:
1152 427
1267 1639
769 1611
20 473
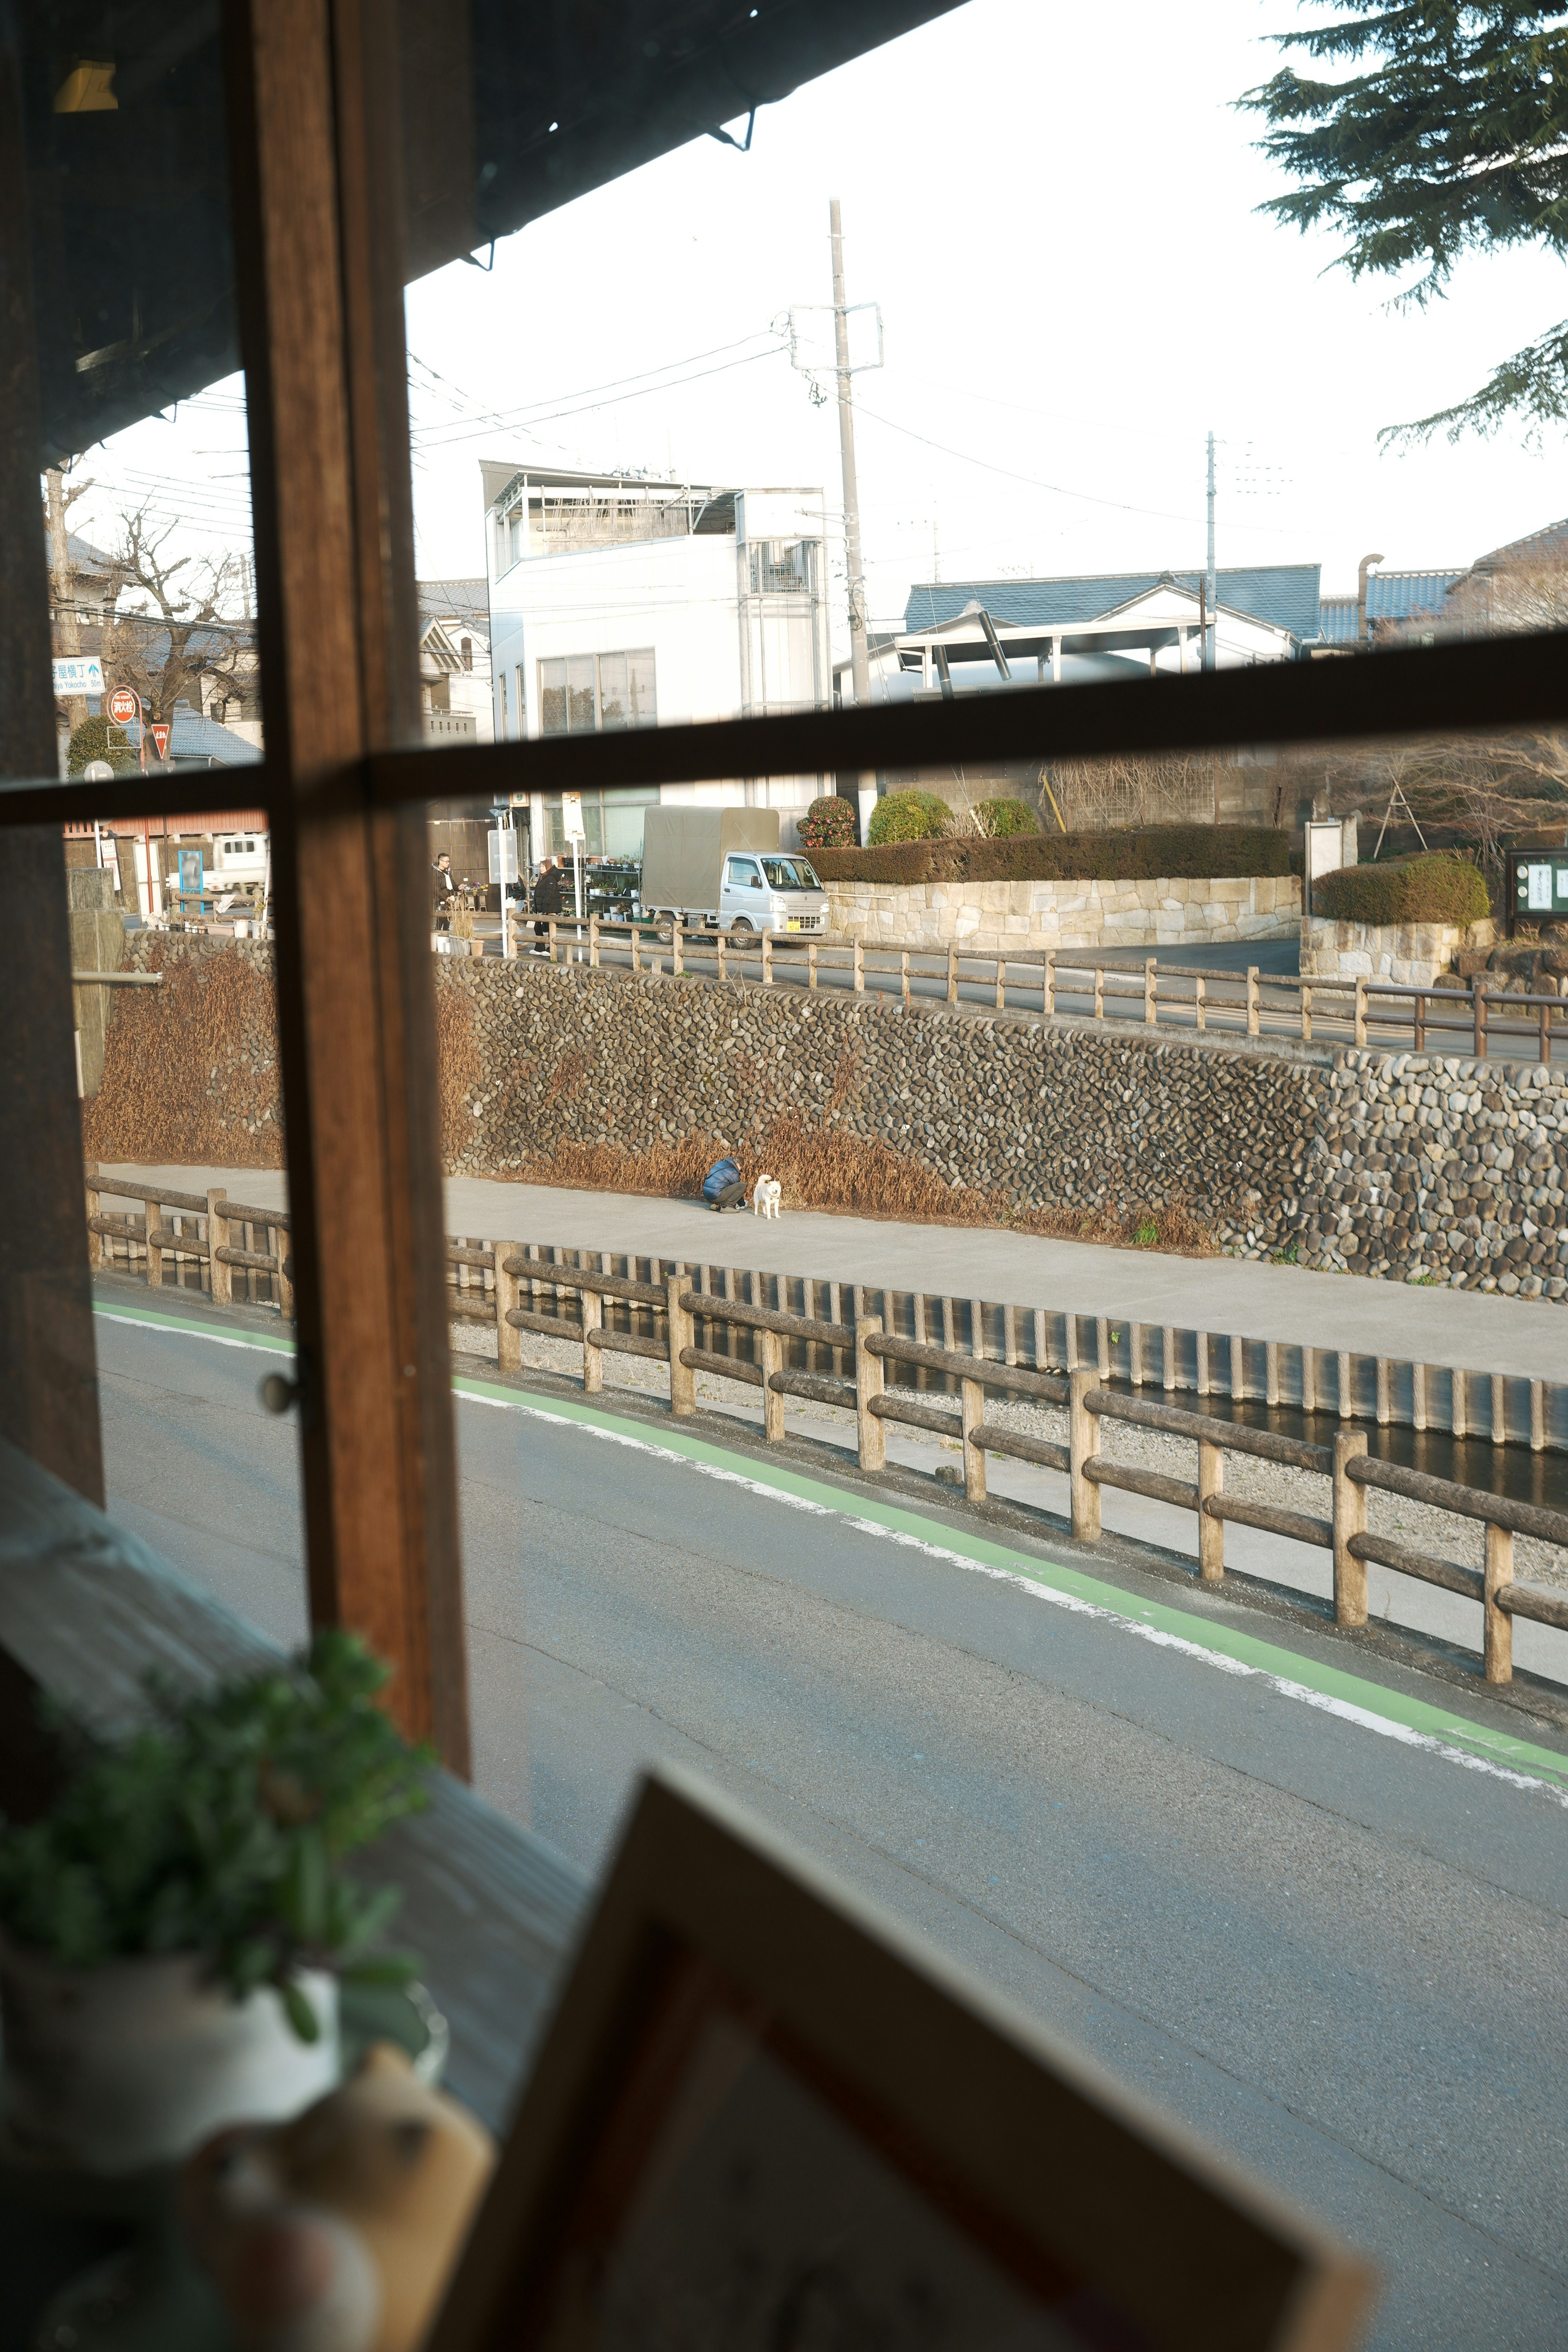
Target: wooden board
767 2113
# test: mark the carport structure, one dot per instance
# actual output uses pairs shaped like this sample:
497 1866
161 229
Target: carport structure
1164 620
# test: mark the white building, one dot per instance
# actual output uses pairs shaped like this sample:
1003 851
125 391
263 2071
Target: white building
454 690
624 602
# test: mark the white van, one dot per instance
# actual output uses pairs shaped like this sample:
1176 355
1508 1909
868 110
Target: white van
759 892
723 867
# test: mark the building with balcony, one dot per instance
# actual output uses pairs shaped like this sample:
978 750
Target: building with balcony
616 602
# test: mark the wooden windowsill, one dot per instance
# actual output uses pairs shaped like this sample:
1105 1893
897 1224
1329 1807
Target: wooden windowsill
88 1609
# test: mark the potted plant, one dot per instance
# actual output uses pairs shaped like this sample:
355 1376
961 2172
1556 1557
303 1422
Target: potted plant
173 1931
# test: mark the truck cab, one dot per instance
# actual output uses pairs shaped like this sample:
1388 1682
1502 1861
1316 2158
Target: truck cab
769 891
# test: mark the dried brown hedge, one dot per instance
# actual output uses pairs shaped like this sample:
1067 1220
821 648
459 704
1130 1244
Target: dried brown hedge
190 1069
827 1170
1154 853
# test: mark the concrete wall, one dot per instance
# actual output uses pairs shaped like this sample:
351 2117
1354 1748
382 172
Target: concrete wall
1014 918
1411 955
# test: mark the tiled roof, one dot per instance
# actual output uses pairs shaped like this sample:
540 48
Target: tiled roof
463 600
1390 596
1548 545
201 741
1283 593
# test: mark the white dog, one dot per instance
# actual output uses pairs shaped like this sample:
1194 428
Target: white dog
765 1197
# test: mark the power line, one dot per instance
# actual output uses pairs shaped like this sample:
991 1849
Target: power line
1057 490
525 420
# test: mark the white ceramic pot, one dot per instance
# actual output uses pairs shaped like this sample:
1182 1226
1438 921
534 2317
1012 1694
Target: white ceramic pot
111 2069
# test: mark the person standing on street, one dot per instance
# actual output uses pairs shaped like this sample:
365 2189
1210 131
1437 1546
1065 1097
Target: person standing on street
549 894
443 892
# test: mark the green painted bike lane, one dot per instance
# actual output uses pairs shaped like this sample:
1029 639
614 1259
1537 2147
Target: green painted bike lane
1334 1690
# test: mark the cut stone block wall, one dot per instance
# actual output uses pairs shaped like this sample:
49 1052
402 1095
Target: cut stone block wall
1020 918
1411 955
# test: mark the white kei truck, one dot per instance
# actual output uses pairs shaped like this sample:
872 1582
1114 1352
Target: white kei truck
721 870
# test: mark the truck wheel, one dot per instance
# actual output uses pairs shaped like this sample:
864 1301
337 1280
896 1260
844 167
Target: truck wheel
665 933
741 932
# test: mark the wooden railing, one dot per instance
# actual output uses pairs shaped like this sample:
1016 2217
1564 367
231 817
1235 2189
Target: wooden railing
1051 980
504 1285
863 1391
1506 1409
202 1229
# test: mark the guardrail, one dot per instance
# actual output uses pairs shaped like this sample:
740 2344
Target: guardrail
1505 1409
201 1230
1253 1001
1347 1465
505 1286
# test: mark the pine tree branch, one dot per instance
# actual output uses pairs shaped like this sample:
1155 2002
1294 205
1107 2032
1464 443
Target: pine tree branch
1532 384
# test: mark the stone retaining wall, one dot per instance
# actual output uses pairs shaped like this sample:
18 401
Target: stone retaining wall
1408 1167
1436 1168
1411 955
1016 918
923 1108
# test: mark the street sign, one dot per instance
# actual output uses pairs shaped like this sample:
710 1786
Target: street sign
78 674
572 816
503 854
122 706
160 732
97 771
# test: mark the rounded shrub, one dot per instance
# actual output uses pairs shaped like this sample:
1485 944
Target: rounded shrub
90 741
1000 820
1437 888
908 816
829 822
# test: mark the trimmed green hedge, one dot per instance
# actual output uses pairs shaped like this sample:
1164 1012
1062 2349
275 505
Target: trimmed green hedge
1432 890
908 816
1150 855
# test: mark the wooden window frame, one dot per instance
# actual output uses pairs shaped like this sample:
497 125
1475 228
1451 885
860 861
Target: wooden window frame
345 785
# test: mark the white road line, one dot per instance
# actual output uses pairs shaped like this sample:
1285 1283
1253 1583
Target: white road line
1323 1702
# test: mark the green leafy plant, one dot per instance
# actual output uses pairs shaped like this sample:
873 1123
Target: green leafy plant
1000 820
91 741
908 816
219 1829
1437 888
1445 133
829 822
1147 1236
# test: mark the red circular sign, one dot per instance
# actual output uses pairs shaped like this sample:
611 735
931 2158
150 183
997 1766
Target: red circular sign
122 706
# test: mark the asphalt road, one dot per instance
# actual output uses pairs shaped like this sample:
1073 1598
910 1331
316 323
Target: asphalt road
1336 1951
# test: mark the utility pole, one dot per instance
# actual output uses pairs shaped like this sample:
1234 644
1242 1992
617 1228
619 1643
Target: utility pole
859 658
1211 634
66 631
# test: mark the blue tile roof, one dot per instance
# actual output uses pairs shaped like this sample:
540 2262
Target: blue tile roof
1283 593
1390 596
201 741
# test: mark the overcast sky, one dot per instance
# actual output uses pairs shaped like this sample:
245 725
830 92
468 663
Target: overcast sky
1057 211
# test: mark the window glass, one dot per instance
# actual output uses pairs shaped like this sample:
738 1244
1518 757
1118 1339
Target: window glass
743 875
613 693
581 707
553 698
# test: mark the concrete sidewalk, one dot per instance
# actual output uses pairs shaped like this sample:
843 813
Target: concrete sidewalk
1463 1329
